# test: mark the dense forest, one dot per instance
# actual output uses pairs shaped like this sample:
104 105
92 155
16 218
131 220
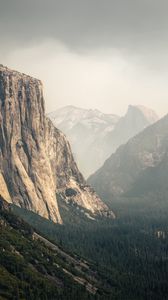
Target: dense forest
130 252
32 269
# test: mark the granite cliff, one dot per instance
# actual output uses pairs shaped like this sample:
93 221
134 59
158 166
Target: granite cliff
36 161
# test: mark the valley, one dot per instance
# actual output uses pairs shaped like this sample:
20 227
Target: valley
64 238
83 150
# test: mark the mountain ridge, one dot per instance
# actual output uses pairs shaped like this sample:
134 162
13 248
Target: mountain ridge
121 172
96 135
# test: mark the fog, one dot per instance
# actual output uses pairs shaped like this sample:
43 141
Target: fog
92 54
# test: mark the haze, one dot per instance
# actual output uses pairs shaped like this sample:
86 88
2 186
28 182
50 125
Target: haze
92 54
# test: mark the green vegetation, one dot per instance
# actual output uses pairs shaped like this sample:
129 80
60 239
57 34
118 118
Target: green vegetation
31 270
130 253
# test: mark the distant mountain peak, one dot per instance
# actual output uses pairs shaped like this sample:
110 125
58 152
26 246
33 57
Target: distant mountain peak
148 113
83 127
95 135
138 166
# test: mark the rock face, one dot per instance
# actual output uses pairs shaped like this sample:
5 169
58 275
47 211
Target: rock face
138 166
35 158
3 205
95 135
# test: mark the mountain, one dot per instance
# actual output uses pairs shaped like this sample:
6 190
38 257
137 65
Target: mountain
36 162
138 167
95 135
32 267
85 128
135 120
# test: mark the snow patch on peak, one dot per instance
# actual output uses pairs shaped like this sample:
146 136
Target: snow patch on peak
69 116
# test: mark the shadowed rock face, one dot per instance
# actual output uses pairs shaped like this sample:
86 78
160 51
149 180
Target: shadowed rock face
35 158
3 205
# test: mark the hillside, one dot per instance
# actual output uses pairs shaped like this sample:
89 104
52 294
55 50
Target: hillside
32 267
129 253
140 165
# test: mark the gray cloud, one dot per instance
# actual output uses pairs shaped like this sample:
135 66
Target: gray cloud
108 53
128 24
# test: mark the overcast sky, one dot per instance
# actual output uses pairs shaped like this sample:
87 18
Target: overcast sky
103 54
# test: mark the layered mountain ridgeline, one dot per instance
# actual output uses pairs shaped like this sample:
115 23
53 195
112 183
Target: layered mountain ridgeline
31 267
95 135
138 167
36 161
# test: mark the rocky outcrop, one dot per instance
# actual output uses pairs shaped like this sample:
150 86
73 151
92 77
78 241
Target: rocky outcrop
4 189
35 158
